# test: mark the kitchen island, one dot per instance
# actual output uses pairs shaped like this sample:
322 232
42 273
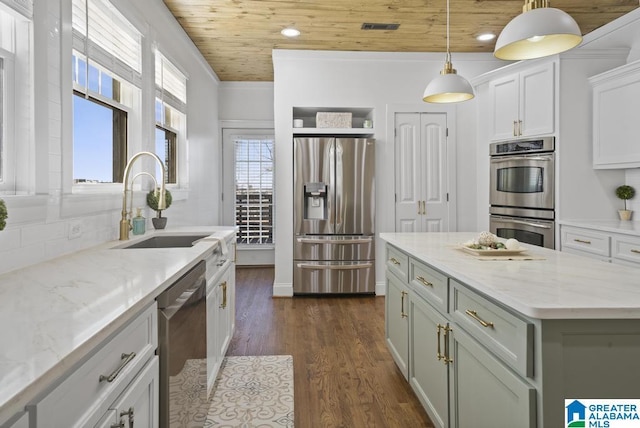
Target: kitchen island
55 314
504 342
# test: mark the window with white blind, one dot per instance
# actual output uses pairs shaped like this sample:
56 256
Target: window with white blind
107 75
253 164
15 101
171 108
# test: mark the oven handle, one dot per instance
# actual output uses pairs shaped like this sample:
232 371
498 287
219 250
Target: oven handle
526 223
512 158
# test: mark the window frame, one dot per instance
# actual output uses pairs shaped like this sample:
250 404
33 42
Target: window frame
120 152
229 156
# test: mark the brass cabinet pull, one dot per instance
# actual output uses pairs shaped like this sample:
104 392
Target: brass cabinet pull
438 354
474 315
424 207
126 359
446 357
519 127
394 261
128 413
402 294
582 241
424 281
633 250
224 295
515 132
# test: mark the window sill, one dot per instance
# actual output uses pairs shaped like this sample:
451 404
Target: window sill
24 209
256 247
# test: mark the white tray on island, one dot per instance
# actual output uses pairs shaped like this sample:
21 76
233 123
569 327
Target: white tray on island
493 252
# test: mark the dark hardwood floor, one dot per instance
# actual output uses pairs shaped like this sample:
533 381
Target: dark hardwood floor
344 375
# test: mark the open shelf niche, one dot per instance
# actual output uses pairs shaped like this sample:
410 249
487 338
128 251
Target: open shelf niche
308 117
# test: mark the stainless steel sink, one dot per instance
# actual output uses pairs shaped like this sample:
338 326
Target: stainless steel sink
164 241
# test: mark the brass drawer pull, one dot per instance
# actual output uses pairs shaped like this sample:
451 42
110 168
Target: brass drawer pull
633 250
474 315
446 355
224 295
402 313
424 281
126 359
394 261
582 241
439 355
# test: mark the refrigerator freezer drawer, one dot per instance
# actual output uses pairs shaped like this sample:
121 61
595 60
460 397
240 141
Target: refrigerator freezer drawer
334 248
333 277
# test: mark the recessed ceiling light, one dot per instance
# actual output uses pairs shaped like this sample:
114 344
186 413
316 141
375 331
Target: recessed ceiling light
485 37
290 32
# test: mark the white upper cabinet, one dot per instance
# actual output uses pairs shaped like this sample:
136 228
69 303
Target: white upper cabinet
616 110
523 103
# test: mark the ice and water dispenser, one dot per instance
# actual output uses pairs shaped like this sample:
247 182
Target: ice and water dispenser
315 201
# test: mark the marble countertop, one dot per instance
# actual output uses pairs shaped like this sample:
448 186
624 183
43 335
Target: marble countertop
615 226
54 313
561 286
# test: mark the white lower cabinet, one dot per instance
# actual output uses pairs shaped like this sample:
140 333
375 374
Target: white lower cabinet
428 361
600 244
138 404
220 319
484 392
123 372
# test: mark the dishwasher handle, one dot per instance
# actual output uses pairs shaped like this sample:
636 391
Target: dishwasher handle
190 281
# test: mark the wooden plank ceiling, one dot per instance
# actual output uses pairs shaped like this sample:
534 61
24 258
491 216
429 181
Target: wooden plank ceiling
236 36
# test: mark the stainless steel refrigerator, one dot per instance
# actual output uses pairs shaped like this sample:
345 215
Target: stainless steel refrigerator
334 209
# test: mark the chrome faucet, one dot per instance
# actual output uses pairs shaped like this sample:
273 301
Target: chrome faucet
125 221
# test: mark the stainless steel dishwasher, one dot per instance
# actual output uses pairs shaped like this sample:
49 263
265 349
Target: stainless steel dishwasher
182 348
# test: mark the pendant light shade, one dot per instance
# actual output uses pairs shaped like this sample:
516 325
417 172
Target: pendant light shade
538 32
448 87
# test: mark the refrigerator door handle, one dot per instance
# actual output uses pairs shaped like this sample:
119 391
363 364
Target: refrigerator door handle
334 267
334 241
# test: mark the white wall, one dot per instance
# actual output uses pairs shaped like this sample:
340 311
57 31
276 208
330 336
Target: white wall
39 224
246 101
363 79
245 105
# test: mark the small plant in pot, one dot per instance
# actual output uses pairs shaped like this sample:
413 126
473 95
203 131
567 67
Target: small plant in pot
3 214
159 222
625 192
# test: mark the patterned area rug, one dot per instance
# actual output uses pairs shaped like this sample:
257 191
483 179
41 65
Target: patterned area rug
253 392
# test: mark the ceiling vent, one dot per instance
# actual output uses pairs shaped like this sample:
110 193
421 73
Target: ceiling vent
373 26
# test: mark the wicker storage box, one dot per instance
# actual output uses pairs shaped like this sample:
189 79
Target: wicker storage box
333 120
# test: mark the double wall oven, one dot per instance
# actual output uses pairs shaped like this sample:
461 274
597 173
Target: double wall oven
522 195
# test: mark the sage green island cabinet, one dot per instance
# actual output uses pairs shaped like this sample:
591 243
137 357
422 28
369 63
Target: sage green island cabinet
396 318
503 343
429 340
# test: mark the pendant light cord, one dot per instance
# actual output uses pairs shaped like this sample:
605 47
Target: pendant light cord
447 28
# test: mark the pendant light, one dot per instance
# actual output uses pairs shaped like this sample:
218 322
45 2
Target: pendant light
448 87
538 32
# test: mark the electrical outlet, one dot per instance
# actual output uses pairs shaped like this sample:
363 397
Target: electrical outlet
75 230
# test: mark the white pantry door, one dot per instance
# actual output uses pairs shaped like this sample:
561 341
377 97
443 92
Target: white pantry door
421 172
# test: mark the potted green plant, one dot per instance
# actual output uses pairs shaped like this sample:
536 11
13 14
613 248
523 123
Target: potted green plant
625 192
159 222
3 214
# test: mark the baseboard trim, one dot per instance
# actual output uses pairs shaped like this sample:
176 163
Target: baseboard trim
381 288
283 290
